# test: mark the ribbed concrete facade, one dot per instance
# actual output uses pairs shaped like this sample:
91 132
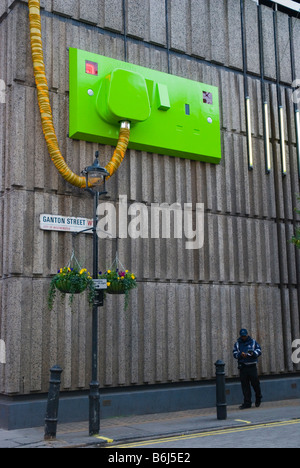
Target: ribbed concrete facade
189 304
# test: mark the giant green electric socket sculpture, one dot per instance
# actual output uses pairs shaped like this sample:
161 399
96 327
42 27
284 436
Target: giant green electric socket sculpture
168 114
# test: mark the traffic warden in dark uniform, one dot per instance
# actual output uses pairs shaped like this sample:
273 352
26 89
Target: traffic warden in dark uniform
247 351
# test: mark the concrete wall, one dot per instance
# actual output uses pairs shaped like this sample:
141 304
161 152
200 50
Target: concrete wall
189 305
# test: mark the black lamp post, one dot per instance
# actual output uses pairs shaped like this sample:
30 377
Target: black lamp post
95 184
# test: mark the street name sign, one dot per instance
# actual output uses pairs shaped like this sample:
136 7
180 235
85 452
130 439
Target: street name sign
50 222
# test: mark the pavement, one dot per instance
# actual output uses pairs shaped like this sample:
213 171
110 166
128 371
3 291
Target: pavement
136 428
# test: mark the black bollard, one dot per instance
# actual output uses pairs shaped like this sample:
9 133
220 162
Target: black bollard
220 390
52 403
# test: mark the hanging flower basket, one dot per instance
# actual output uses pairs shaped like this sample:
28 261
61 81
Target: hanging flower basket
116 287
66 286
119 282
71 281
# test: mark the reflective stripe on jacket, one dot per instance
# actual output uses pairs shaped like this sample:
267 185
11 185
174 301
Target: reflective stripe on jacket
249 347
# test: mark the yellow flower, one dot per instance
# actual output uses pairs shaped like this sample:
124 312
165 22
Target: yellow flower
108 283
126 271
132 276
69 269
108 271
122 277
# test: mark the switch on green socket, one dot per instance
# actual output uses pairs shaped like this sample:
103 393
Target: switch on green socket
168 114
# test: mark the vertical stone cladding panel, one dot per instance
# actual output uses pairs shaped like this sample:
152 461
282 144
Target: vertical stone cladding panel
291 126
67 8
218 32
15 228
3 114
12 300
172 333
287 326
15 150
88 11
204 327
160 333
291 259
296 40
252 40
235 56
284 55
295 319
3 336
295 183
136 16
274 126
215 344
157 22
178 25
268 42
36 338
2 232
283 265
200 31
111 16
183 316
193 345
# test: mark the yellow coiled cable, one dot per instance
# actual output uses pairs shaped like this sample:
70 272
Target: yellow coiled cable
46 112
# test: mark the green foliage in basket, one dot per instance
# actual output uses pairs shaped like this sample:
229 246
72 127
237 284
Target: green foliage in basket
119 282
71 281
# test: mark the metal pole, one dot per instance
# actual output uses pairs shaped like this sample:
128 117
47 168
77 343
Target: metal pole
94 397
220 390
265 111
246 90
279 98
52 404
